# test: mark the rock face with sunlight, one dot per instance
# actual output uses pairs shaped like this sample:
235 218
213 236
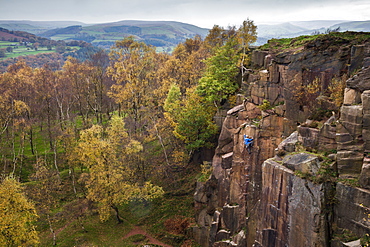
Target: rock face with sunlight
307 177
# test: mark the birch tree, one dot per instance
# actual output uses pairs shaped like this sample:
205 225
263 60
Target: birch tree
17 215
112 180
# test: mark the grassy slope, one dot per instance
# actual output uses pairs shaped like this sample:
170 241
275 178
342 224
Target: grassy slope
335 38
150 216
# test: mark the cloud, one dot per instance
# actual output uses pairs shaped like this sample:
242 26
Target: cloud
203 13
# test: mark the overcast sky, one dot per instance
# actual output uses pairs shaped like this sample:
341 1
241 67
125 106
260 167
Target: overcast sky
203 13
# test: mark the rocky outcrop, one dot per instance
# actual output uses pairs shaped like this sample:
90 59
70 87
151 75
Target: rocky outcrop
285 199
284 193
352 209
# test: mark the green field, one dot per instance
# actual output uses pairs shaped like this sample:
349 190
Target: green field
21 50
4 44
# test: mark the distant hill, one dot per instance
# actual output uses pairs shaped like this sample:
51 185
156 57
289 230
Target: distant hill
62 31
274 31
317 24
294 29
165 34
359 26
16 36
36 27
162 34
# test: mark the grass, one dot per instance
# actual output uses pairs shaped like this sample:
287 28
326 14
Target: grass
95 233
285 43
150 216
21 50
336 38
69 212
26 53
4 44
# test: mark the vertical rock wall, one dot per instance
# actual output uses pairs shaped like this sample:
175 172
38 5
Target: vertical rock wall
252 200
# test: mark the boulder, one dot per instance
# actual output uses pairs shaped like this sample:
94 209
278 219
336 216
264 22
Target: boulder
252 110
289 143
351 114
235 110
351 97
308 136
303 162
361 81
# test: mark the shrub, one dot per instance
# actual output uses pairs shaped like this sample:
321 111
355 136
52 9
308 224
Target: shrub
265 105
177 225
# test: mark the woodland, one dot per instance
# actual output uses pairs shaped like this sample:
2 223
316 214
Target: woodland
118 139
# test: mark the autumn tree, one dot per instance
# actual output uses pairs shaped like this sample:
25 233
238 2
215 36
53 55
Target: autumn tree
100 103
44 192
88 84
112 179
218 36
16 91
17 215
336 90
44 106
173 102
247 34
219 80
195 122
132 70
186 65
305 94
229 49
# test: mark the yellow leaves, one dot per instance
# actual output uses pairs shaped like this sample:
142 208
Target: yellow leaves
150 191
16 216
133 147
180 157
305 95
108 154
20 107
336 90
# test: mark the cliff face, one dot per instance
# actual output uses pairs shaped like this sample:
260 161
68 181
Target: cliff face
280 194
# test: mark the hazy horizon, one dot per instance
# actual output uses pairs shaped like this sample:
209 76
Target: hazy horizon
202 13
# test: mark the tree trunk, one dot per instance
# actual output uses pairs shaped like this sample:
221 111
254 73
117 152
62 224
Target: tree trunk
72 174
52 231
119 220
31 141
164 150
55 160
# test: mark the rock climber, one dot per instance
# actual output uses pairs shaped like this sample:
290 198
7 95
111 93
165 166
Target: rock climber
248 143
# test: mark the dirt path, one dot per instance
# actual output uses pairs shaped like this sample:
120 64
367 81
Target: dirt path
138 230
